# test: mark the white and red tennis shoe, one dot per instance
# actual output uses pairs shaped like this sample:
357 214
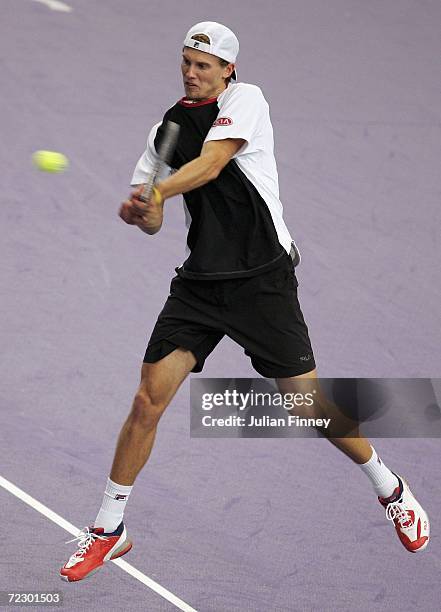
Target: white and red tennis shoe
410 520
94 548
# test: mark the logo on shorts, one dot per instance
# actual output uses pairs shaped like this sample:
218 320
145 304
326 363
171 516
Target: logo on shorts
222 121
305 357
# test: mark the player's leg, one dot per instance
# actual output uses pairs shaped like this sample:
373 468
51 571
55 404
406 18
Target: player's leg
410 519
107 538
356 446
159 383
342 431
275 336
188 321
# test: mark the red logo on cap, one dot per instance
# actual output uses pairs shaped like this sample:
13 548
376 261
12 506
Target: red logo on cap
223 121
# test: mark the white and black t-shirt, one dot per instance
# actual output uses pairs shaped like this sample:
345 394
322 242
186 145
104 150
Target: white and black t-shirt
235 223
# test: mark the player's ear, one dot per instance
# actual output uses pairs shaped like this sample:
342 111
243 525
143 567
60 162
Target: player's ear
231 68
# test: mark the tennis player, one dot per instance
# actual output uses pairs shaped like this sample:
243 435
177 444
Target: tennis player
238 279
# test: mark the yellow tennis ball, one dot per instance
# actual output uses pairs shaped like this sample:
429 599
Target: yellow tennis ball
50 161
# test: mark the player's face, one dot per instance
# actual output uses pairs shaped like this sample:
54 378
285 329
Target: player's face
202 74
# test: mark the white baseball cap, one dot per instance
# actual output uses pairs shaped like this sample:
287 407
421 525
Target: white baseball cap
223 42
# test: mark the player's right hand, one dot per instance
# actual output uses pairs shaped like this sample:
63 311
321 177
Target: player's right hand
148 216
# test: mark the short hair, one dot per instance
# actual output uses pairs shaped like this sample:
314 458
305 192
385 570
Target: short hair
205 39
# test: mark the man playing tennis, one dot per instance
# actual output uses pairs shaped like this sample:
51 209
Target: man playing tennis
238 279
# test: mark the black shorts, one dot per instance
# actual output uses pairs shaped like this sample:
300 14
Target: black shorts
261 313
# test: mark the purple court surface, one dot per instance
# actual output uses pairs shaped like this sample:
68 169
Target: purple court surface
225 525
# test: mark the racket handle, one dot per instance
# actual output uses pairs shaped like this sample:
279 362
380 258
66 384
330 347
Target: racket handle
147 190
295 254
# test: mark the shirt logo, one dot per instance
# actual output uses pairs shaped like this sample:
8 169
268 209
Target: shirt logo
222 121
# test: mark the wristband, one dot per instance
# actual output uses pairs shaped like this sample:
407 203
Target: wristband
157 195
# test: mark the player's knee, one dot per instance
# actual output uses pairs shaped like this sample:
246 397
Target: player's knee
146 411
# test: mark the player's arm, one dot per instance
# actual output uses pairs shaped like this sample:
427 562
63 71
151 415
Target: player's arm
215 155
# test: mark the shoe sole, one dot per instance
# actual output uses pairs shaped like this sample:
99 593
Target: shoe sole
421 547
122 550
119 552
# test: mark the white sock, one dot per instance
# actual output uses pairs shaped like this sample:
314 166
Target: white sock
383 480
113 506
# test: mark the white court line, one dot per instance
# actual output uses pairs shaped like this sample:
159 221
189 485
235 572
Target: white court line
61 522
56 5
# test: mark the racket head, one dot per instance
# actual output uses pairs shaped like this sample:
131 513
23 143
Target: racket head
169 141
167 148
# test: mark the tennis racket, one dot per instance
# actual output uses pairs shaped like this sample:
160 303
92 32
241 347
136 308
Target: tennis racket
165 154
